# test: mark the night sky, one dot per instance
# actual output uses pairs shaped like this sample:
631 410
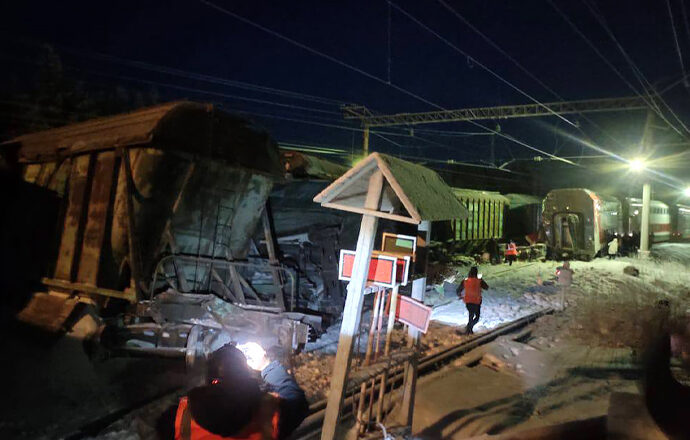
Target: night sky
196 38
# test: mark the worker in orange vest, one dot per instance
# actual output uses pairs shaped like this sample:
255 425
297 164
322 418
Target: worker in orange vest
472 286
511 252
232 404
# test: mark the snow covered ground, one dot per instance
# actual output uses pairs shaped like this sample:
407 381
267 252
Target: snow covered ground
514 292
524 288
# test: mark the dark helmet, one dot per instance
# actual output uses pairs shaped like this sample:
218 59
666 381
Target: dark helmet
227 362
232 397
473 272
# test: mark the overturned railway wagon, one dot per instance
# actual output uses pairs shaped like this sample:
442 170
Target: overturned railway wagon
156 214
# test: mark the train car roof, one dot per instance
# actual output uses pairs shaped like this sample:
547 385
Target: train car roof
518 200
189 127
305 165
653 202
480 195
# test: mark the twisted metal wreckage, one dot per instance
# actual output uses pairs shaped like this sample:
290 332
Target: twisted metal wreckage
162 221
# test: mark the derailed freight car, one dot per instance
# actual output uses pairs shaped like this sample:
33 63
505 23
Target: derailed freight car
309 236
158 210
577 222
523 218
483 228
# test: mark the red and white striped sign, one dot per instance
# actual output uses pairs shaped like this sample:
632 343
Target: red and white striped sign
413 313
384 270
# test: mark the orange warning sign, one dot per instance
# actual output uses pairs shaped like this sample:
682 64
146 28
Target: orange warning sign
413 313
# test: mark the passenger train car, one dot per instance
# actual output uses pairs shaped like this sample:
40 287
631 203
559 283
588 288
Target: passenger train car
659 219
680 222
579 223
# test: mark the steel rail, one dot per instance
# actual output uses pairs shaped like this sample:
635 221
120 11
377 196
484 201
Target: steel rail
311 426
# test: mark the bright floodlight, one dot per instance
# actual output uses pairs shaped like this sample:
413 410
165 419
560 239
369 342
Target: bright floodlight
255 354
687 191
637 165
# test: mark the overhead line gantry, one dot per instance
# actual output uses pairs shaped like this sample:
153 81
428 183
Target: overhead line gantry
369 119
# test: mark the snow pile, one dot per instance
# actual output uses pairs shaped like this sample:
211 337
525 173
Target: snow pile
675 252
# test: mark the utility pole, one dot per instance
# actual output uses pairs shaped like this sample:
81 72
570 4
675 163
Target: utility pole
365 141
647 141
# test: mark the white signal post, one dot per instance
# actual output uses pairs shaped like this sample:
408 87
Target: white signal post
644 221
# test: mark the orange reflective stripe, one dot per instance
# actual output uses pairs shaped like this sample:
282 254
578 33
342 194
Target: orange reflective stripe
473 290
264 426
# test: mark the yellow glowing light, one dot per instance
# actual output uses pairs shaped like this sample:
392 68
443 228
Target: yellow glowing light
255 354
637 164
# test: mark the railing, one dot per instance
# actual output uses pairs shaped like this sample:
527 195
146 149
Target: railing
231 277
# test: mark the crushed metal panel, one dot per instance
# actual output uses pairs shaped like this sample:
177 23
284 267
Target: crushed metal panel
48 311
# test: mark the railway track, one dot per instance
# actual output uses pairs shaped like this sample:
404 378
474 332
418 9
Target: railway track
311 426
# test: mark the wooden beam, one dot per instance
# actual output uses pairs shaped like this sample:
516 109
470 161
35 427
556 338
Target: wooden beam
410 374
135 264
74 217
247 286
226 292
335 188
235 280
273 255
98 210
372 212
353 308
386 351
398 189
85 288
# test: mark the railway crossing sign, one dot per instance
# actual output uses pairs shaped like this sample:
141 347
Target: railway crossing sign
384 270
413 313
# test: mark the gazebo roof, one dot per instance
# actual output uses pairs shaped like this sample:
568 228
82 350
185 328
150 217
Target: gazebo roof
412 193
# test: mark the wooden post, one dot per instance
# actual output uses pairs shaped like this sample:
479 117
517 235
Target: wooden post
379 326
353 307
367 359
418 288
386 351
273 256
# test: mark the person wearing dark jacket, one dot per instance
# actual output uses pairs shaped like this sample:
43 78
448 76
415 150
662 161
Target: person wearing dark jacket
235 403
473 286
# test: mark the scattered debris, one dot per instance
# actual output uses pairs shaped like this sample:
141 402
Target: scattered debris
632 271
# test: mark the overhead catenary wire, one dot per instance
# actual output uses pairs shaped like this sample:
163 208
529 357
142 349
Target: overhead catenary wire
220 94
204 77
637 72
361 71
684 12
675 37
479 63
520 66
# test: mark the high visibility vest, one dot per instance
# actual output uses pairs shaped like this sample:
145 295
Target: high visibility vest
511 249
473 291
264 425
